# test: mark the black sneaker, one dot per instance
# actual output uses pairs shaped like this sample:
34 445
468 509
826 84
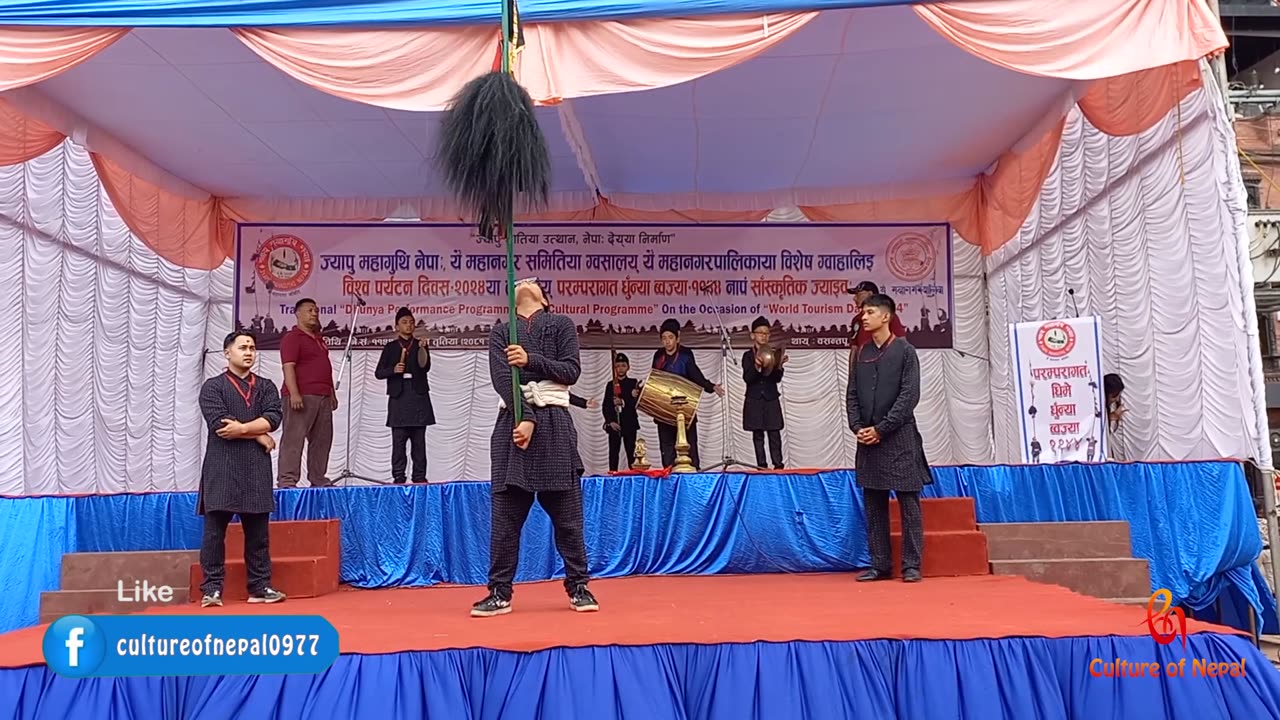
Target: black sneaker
269 595
582 600
493 604
911 576
213 599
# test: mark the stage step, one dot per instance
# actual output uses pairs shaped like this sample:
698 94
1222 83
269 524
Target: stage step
103 570
91 583
293 538
1058 540
953 546
1136 601
947 554
1099 577
940 515
54 605
306 558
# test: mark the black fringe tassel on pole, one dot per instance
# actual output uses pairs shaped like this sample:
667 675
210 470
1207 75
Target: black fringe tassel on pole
492 151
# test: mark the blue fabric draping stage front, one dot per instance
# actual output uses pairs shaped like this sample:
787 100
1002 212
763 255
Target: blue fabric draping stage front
1193 521
379 13
1016 678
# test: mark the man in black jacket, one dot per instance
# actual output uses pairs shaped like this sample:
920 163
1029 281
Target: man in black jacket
621 422
404 364
762 405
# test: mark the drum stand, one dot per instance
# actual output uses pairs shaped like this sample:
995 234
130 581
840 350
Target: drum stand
727 461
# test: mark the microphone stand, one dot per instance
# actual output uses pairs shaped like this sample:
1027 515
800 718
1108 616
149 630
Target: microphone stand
346 473
726 347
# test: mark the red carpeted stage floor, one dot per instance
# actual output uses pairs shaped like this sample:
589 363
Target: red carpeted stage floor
692 609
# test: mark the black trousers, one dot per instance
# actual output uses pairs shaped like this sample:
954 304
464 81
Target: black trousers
667 443
877 504
509 508
617 441
416 437
775 447
257 550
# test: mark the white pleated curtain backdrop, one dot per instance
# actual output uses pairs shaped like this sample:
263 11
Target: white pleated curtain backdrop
106 343
1147 231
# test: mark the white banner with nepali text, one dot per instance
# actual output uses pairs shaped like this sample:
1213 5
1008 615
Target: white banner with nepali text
1058 370
619 282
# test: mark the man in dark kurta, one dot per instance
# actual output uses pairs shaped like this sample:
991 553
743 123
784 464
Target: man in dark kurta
762 405
537 459
241 409
883 390
621 420
676 359
404 365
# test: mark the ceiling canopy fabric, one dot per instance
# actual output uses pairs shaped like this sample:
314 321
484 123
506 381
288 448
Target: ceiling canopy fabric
378 13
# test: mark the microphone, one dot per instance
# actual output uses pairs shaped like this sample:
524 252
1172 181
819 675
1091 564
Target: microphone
1075 308
964 354
359 300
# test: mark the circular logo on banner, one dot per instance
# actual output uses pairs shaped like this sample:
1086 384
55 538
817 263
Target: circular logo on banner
284 262
1056 339
912 257
73 646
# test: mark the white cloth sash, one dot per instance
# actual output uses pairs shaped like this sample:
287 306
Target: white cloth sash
544 393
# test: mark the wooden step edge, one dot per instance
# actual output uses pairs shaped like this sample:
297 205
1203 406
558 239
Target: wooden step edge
899 531
1073 560
1057 523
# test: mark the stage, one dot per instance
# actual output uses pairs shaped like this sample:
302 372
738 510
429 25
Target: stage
1193 522
701 648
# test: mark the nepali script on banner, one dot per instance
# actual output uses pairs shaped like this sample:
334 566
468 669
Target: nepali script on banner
618 282
1059 390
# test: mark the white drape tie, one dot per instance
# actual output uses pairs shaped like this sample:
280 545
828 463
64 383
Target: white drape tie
544 393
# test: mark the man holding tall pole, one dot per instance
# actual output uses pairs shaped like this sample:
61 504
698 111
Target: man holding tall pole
493 152
538 459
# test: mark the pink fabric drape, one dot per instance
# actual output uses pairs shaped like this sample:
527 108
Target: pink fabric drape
181 230
421 69
23 138
1131 103
1078 39
30 55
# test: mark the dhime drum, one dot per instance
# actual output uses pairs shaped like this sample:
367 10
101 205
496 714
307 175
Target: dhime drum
657 397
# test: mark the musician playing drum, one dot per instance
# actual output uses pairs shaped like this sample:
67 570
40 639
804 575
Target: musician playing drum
762 406
676 359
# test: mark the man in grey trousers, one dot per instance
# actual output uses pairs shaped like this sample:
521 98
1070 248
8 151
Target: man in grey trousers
309 399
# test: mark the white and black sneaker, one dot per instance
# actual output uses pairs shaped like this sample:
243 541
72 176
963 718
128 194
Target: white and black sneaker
213 599
493 604
582 600
267 595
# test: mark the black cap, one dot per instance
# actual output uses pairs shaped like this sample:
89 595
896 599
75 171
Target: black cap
620 358
864 286
403 312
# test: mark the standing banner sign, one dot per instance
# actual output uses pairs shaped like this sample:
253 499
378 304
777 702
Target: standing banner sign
1058 368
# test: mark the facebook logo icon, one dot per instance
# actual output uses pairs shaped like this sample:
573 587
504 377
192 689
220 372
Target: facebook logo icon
73 646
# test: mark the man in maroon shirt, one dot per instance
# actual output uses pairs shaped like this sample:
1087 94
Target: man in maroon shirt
860 335
309 399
